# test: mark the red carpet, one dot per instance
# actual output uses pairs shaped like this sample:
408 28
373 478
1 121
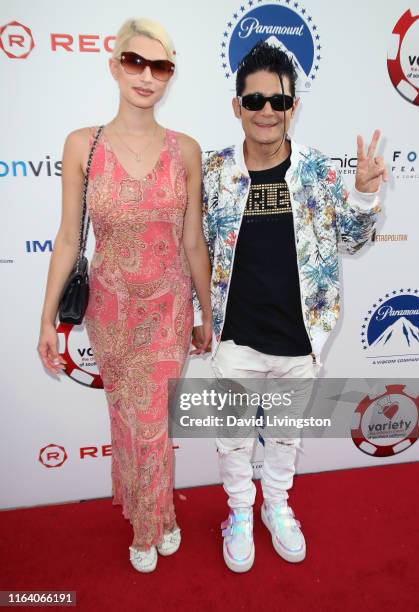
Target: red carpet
361 528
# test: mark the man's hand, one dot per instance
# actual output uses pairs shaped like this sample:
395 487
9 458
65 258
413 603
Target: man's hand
201 338
370 170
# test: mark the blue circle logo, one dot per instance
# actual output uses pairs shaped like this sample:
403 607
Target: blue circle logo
290 29
391 328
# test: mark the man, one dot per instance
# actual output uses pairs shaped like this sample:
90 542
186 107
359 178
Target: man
274 215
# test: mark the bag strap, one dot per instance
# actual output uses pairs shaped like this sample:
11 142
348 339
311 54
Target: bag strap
84 228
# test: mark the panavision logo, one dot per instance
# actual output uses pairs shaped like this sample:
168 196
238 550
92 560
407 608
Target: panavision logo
390 331
290 27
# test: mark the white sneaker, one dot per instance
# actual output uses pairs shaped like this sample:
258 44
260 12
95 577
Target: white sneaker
287 537
170 543
238 546
143 560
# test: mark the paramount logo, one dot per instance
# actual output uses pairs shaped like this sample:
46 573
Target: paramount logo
251 25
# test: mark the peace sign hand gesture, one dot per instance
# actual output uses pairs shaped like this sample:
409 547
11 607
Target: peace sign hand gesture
370 170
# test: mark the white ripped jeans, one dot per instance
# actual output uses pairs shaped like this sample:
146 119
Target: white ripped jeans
235 454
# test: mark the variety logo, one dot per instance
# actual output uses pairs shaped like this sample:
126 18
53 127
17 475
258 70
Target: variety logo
16 40
288 26
74 346
388 423
390 332
403 57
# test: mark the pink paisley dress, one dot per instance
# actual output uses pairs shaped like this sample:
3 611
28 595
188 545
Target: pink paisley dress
139 322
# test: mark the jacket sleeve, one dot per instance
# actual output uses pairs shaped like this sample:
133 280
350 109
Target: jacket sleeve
356 214
207 226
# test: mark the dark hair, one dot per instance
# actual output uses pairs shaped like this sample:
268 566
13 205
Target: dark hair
265 57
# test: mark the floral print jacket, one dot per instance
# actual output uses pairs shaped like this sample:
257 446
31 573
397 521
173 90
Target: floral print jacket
325 216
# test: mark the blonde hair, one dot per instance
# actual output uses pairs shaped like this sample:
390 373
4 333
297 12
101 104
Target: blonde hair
144 27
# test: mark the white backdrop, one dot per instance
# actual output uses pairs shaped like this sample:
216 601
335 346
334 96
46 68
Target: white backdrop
52 91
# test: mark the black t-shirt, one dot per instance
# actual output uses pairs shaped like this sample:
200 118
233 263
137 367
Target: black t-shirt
264 303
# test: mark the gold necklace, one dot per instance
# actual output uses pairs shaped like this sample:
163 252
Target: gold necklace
137 155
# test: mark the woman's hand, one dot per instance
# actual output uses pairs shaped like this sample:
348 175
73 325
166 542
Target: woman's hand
48 349
201 338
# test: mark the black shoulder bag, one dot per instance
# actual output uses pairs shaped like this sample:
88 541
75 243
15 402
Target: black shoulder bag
75 295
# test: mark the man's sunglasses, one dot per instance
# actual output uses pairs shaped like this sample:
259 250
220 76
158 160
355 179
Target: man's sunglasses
133 63
257 101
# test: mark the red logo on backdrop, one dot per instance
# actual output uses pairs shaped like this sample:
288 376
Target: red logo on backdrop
74 347
16 40
52 456
403 57
387 424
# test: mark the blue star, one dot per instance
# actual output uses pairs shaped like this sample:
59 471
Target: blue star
380 300
296 4
387 295
223 54
312 77
314 27
225 34
309 18
401 290
394 292
364 326
318 47
227 75
317 37
408 290
224 65
369 312
363 334
303 11
250 2
318 58
316 67
415 291
223 44
242 8
235 15
229 24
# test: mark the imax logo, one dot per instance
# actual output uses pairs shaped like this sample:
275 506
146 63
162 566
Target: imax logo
35 246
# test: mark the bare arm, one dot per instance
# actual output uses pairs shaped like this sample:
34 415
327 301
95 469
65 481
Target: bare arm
193 238
66 244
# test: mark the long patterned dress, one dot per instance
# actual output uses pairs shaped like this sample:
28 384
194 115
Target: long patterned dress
139 322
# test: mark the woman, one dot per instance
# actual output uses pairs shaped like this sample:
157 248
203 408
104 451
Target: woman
144 199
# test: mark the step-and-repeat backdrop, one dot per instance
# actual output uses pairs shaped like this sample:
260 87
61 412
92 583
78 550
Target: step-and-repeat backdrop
358 70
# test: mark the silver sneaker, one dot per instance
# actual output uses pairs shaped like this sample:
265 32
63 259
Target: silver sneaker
238 545
287 537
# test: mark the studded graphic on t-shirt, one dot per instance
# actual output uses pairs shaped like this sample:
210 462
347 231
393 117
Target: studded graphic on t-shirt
268 199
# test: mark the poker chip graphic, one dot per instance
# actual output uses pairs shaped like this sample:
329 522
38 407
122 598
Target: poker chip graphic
74 347
386 424
403 57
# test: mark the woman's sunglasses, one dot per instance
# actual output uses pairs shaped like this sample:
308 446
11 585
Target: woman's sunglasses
133 63
257 101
